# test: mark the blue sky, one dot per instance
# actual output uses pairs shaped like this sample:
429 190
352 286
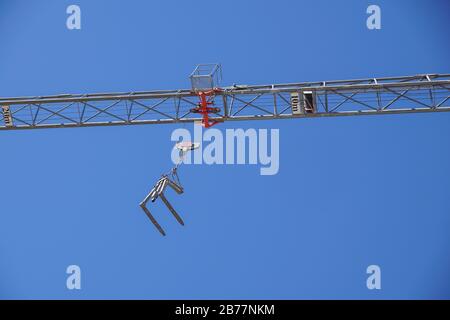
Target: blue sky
351 191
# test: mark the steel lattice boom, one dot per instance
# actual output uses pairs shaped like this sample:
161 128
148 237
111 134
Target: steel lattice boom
420 93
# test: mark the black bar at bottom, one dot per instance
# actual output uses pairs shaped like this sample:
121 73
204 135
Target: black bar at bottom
231 309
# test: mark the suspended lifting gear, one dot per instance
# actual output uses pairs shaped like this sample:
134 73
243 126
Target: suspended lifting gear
172 180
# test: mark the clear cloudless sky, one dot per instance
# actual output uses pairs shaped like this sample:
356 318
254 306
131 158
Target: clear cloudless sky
350 192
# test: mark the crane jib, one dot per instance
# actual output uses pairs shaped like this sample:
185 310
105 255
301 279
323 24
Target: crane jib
370 96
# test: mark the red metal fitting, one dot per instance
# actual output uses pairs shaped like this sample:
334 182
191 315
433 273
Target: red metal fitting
204 109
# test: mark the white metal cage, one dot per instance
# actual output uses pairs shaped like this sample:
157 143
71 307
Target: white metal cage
206 77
